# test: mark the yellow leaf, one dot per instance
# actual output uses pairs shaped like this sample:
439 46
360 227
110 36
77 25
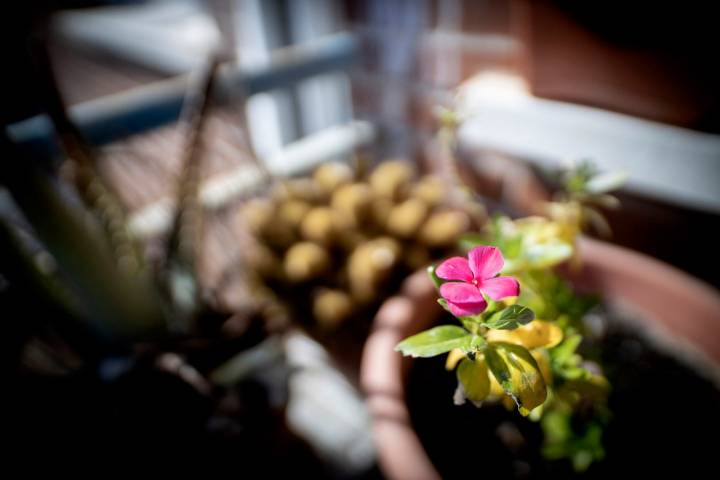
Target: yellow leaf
594 388
497 393
496 389
518 373
453 358
543 360
473 375
508 402
568 216
538 230
536 334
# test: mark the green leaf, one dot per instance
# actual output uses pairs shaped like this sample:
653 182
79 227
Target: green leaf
562 441
473 381
578 175
510 243
556 426
437 281
435 341
513 266
513 246
498 367
510 318
443 303
478 343
473 239
606 182
564 352
517 372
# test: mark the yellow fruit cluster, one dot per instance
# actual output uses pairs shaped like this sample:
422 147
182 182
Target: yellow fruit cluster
343 238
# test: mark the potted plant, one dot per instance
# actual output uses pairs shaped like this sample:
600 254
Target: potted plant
529 340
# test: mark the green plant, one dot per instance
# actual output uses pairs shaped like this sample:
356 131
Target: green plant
521 334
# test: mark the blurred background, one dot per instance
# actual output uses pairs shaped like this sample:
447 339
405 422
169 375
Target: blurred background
122 88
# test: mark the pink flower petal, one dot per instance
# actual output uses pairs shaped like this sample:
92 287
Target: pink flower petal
455 268
467 309
463 299
485 262
458 292
500 287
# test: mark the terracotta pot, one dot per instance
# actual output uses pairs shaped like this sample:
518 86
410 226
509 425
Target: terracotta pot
675 304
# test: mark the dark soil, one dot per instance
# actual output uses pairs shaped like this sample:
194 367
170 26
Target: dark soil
665 420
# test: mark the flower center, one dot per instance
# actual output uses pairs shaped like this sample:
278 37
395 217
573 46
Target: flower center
475 281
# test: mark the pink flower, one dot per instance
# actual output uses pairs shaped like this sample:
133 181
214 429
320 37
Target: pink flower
473 277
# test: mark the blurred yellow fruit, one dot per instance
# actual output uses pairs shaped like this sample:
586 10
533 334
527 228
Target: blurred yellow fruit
369 265
380 211
257 214
331 308
416 256
349 239
391 179
317 225
293 212
263 261
351 204
430 189
406 218
278 234
303 189
443 229
306 261
329 176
